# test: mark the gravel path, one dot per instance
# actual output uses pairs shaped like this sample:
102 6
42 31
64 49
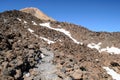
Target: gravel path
46 70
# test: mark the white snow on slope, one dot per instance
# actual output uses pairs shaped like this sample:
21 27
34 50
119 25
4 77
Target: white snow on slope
94 46
111 50
60 30
47 40
42 55
30 30
27 74
111 72
34 23
25 22
19 19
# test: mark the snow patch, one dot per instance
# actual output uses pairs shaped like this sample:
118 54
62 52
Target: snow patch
59 26
60 40
25 22
36 35
19 19
60 30
42 55
45 25
27 74
47 40
111 72
34 23
94 46
111 50
30 30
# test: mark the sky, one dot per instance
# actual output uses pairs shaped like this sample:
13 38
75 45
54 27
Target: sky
96 15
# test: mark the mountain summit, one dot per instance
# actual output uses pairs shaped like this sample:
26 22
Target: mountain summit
37 13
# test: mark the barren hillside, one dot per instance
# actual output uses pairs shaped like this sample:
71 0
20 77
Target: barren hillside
37 49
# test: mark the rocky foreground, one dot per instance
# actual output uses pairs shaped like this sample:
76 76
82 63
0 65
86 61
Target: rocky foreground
35 49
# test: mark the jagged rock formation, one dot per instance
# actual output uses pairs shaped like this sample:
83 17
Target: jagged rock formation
37 13
52 50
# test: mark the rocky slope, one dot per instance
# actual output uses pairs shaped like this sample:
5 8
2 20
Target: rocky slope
35 49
